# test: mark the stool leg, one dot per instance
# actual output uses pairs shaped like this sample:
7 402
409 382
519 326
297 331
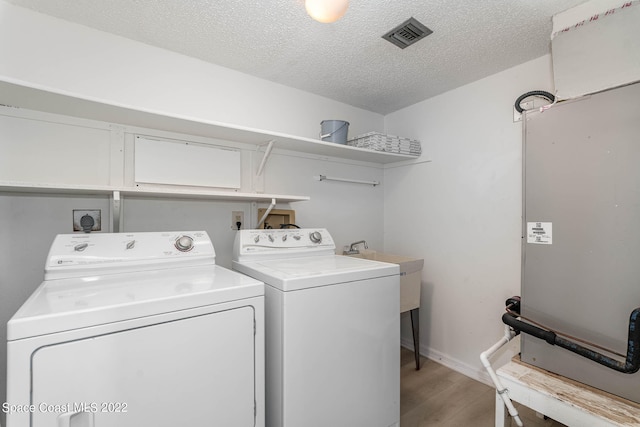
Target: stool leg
415 327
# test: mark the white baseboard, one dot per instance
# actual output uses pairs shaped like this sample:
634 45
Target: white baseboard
458 366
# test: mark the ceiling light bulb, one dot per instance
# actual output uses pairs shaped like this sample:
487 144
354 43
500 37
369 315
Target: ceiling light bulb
326 11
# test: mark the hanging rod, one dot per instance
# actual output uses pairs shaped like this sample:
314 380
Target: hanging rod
355 181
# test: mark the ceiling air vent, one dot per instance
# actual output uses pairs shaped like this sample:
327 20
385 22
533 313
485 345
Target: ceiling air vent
407 33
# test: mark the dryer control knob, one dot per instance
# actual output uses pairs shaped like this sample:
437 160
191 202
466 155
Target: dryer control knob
80 247
184 243
315 237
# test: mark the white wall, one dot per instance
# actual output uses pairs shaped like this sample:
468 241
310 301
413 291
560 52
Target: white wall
462 211
51 53
44 52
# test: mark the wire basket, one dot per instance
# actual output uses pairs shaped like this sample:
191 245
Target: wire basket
387 143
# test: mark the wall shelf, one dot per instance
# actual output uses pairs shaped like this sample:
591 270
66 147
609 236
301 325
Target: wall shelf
117 193
17 95
174 193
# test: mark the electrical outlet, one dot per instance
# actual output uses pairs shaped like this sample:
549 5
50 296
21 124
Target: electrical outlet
87 218
237 217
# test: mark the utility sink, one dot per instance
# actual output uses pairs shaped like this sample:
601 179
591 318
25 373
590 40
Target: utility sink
410 284
410 274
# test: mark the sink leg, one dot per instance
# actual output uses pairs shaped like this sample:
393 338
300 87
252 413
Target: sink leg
415 327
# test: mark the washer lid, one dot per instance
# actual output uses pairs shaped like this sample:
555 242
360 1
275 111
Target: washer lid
67 304
308 272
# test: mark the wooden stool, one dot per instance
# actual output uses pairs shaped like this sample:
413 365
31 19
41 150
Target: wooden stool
562 399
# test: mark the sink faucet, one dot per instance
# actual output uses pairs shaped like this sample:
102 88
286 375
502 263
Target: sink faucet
352 247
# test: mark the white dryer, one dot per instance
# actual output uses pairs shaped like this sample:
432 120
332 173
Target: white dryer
332 330
137 329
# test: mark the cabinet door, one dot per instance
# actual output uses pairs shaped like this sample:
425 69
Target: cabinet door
197 371
186 163
39 151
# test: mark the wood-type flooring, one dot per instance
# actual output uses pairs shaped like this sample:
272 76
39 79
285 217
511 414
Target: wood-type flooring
441 397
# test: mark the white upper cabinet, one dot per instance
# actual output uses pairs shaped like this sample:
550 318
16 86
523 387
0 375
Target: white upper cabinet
78 145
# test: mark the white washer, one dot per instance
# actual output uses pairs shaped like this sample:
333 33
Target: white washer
332 330
137 329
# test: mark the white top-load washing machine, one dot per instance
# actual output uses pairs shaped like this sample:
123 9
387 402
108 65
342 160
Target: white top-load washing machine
332 330
137 329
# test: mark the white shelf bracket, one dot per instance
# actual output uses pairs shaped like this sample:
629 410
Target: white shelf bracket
266 214
267 153
116 212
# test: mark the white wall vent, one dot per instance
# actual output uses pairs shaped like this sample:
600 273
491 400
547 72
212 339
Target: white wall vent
407 33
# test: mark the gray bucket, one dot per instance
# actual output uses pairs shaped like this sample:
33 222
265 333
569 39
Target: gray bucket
334 131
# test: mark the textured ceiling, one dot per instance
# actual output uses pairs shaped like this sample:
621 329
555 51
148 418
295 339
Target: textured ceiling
347 61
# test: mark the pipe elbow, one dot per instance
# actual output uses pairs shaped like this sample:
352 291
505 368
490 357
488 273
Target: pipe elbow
520 326
484 358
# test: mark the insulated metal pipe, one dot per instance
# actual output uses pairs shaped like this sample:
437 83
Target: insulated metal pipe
630 365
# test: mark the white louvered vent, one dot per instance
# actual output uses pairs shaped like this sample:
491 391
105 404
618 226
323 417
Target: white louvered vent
407 33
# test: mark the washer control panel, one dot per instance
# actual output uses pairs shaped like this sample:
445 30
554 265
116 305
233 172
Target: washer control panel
72 254
282 243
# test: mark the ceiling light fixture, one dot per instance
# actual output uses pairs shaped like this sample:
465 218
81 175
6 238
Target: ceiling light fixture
326 11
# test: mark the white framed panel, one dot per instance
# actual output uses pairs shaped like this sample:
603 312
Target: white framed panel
40 151
158 161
